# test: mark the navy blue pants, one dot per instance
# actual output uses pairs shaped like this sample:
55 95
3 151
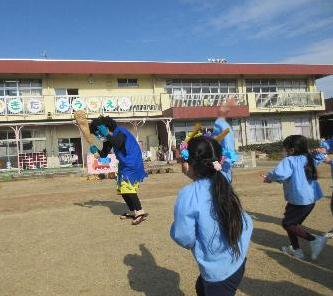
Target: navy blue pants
293 218
227 287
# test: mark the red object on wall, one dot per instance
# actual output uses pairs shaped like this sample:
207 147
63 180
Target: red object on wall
32 161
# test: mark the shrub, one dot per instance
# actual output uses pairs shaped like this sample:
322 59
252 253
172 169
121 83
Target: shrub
274 150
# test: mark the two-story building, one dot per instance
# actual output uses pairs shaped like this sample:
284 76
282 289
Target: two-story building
159 102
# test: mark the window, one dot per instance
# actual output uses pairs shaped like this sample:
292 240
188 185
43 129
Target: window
291 86
272 85
127 83
261 85
264 130
66 91
183 128
32 141
180 137
235 124
200 86
70 151
26 87
8 149
303 127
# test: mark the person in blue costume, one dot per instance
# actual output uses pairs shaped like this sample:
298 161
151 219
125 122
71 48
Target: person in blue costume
130 168
298 174
209 220
228 143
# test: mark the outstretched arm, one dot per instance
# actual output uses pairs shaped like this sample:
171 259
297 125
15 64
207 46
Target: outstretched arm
282 172
183 228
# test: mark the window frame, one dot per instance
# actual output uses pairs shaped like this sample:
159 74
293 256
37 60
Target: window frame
263 128
128 83
191 86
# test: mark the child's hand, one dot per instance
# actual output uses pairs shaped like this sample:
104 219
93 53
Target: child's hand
93 149
266 179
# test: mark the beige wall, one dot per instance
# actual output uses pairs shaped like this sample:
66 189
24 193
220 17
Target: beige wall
106 85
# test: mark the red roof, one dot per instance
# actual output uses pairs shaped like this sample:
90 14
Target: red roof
157 68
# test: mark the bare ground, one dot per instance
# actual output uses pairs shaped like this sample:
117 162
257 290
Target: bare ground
63 236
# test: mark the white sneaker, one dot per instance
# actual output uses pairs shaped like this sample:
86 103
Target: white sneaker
317 246
289 250
329 234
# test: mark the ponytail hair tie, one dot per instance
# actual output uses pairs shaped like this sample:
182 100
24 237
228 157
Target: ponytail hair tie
217 166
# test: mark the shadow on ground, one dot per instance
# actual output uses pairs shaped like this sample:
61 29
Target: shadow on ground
115 207
147 277
255 287
275 220
319 271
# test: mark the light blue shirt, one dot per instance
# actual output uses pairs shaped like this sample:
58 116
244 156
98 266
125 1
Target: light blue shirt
195 228
320 157
298 190
227 145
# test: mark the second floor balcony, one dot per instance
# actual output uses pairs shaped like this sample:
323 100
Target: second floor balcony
207 99
107 104
23 105
206 105
285 101
62 107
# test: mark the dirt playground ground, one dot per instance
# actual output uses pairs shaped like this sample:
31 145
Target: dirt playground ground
63 236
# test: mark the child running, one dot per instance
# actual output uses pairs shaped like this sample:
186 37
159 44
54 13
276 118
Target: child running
298 174
320 154
209 220
228 143
130 168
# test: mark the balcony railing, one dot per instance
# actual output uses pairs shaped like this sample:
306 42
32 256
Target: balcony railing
207 100
290 99
109 104
22 105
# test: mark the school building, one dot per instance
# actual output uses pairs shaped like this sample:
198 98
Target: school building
158 101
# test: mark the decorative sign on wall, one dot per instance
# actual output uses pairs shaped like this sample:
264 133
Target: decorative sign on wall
62 105
93 104
15 106
2 106
105 165
124 103
34 106
78 104
109 105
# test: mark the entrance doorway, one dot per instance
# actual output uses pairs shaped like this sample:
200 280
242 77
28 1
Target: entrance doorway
70 151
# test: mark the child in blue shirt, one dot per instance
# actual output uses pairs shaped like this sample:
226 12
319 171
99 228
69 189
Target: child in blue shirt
298 174
320 154
210 221
228 143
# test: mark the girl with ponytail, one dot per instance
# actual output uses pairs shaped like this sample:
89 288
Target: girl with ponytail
209 220
298 174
